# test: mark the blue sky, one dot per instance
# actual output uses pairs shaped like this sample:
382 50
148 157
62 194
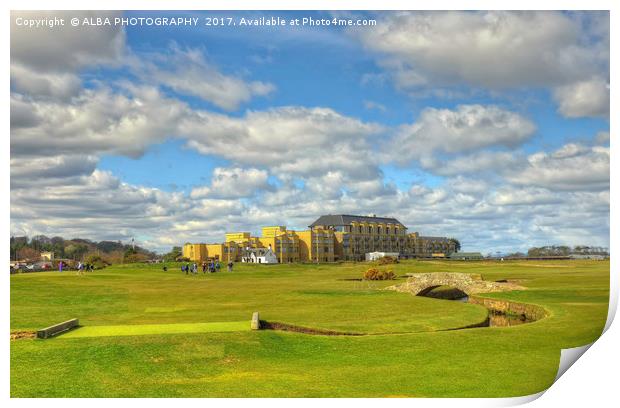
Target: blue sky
208 129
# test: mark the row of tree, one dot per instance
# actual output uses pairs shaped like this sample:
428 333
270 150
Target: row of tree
564 250
78 249
560 250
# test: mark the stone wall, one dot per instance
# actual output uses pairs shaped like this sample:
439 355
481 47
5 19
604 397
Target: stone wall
531 312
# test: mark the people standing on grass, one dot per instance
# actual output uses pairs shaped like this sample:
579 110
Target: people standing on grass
194 268
204 267
211 267
80 269
60 266
230 266
217 266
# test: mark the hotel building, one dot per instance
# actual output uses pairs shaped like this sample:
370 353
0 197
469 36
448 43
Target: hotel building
330 238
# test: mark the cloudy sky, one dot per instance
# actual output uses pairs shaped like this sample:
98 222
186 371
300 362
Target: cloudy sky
492 127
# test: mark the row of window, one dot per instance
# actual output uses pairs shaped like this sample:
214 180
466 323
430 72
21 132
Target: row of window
369 229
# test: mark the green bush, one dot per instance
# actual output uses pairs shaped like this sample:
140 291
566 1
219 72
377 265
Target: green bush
387 260
95 260
379 274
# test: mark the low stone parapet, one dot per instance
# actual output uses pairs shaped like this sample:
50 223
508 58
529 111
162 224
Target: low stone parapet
57 329
529 311
421 283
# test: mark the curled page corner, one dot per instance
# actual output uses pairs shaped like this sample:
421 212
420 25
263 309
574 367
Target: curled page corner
514 401
568 358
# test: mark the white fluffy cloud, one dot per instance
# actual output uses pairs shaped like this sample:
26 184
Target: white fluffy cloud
497 50
468 128
24 170
572 167
233 183
69 48
583 98
47 65
498 162
96 121
128 120
188 72
291 140
60 84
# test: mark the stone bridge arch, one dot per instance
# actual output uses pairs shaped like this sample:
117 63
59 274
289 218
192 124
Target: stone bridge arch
419 284
425 291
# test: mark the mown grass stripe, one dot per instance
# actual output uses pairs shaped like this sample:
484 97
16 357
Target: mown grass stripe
147 329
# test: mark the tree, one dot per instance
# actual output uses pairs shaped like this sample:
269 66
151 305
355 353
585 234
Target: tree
17 243
29 254
457 244
173 255
76 251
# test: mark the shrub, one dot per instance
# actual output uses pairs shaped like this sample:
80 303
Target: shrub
387 260
95 260
377 274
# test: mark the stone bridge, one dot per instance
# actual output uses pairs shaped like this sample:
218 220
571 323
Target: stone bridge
419 284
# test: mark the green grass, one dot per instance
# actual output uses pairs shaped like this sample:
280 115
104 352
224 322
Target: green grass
486 362
145 329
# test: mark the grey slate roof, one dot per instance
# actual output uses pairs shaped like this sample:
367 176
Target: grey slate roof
444 239
343 219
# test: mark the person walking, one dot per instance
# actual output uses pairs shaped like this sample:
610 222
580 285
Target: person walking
230 266
60 266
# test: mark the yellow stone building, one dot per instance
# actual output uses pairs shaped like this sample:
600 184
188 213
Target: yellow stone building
356 235
330 238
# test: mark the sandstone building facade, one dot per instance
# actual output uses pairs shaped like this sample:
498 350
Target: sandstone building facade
330 238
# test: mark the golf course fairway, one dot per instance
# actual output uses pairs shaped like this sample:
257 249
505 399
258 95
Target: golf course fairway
149 333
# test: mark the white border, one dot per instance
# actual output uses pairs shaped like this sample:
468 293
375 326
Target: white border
593 379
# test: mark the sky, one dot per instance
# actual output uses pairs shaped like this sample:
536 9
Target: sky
491 127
